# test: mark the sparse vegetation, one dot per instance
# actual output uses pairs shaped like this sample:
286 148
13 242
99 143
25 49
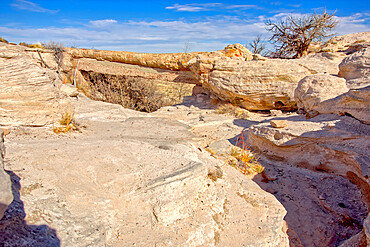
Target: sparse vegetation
130 92
58 49
233 111
245 160
3 40
258 46
292 36
37 45
67 122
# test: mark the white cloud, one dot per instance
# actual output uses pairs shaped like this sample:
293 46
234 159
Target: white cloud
196 7
352 24
164 36
30 6
245 6
186 8
102 23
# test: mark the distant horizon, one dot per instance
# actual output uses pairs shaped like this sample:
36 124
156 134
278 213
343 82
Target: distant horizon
162 26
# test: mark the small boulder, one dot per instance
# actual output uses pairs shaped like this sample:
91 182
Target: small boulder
356 103
355 69
276 112
238 50
314 89
279 123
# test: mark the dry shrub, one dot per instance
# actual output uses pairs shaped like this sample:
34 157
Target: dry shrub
67 121
130 92
233 111
37 45
246 161
58 49
3 40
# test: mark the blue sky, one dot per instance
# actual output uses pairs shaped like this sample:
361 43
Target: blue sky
161 26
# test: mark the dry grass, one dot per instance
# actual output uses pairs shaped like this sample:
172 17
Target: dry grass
233 111
245 161
131 92
3 40
67 122
37 45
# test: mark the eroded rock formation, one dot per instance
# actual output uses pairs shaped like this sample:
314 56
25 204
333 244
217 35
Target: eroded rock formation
134 178
125 178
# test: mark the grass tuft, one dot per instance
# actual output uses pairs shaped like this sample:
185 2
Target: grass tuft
246 161
67 122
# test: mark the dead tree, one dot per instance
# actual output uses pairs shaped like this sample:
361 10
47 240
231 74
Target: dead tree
257 45
293 35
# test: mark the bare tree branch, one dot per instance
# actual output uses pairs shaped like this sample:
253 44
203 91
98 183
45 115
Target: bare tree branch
293 36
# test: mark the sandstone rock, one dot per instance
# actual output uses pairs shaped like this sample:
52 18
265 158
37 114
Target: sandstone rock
278 123
256 85
170 61
311 144
259 57
275 112
28 95
356 103
346 43
6 196
127 180
338 151
238 50
355 69
314 89
259 84
163 194
321 63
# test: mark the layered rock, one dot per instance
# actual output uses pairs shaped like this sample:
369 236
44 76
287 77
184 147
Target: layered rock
170 73
348 43
170 61
255 85
314 89
6 196
355 103
125 179
268 83
260 84
27 95
147 185
356 69
328 94
326 144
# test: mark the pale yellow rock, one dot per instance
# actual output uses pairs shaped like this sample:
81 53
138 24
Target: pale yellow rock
355 69
314 89
125 179
279 123
346 43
